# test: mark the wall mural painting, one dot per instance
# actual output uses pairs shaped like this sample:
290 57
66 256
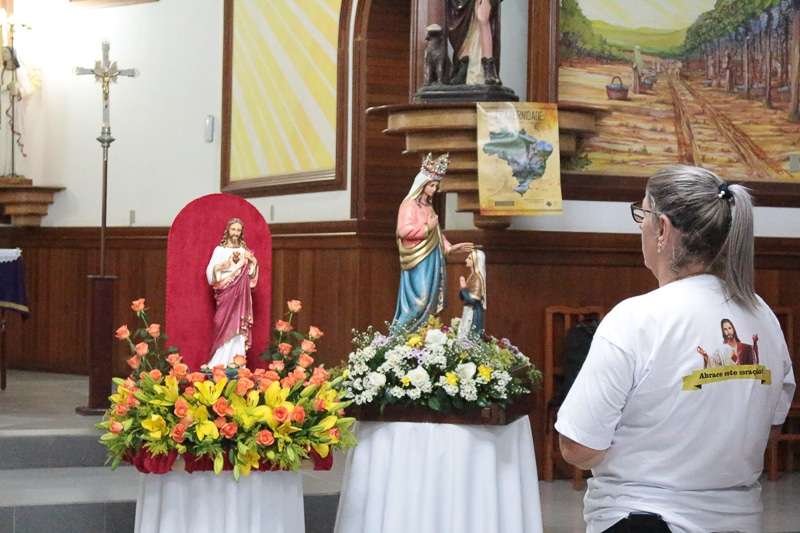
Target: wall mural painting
703 82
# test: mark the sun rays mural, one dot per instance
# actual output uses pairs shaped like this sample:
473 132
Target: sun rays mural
283 96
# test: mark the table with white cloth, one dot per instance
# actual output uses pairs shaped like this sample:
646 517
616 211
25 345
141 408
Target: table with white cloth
203 502
410 477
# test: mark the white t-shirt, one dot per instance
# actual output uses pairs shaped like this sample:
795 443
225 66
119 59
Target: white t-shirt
683 441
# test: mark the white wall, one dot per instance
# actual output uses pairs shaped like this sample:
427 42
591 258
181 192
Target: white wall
160 161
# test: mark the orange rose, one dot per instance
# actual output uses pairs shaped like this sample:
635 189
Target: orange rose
264 383
283 326
298 414
240 360
115 427
131 401
280 413
134 362
181 408
187 420
121 410
244 372
173 358
285 348
178 433
220 421
122 333
244 385
288 382
277 366
222 407
299 373
265 438
294 306
137 305
180 370
319 376
189 392
129 384
196 377
229 430
142 349
218 374
155 374
314 333
272 375
308 346
319 405
154 330
259 372
305 360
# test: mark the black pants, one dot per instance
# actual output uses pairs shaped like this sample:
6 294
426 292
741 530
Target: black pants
640 523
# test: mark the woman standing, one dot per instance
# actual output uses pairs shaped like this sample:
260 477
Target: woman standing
423 249
674 446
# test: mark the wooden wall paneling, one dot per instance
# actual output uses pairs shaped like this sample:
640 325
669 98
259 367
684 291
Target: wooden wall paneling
543 50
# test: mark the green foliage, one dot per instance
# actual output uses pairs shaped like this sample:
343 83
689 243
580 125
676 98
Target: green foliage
578 38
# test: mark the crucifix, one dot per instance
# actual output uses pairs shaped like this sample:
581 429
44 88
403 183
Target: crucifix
105 72
101 294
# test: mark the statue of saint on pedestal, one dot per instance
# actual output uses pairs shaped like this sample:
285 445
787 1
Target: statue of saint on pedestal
473 28
232 272
473 294
423 249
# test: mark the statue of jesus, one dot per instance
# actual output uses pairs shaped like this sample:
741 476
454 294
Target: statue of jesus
232 272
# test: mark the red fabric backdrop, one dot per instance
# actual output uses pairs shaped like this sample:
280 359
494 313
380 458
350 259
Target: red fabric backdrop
197 229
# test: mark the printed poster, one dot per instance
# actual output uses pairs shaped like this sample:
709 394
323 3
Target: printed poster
518 159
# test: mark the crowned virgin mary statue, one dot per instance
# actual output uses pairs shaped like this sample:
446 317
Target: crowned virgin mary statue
423 249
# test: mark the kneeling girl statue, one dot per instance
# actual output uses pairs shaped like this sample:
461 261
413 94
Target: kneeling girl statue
423 249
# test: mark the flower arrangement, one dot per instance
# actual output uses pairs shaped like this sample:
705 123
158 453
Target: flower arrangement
433 368
266 419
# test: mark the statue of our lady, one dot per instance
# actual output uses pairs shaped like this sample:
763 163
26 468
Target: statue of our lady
423 249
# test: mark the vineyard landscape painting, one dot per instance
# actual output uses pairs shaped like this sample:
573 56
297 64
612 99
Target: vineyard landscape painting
714 83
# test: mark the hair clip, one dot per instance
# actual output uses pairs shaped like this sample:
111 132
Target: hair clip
724 192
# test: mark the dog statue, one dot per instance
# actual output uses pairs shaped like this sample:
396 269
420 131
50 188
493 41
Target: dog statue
436 61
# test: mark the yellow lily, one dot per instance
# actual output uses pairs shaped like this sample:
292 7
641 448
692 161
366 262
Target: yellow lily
275 395
206 429
325 424
168 392
322 449
155 426
247 460
200 413
248 412
208 392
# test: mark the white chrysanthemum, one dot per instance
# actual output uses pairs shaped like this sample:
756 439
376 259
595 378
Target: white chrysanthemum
414 394
468 390
397 392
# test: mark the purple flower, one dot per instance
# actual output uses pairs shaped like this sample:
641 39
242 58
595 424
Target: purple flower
379 341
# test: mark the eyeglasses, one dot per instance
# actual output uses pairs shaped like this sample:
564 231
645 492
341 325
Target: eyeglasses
638 212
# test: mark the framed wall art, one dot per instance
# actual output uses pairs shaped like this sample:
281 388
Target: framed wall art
701 82
283 100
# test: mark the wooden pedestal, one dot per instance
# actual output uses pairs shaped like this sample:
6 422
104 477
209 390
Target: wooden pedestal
101 338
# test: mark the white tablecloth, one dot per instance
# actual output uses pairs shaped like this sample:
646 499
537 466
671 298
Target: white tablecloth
440 478
206 503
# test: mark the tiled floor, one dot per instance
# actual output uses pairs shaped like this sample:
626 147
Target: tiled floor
35 402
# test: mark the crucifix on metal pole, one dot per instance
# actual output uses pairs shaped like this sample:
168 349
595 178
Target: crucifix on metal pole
101 294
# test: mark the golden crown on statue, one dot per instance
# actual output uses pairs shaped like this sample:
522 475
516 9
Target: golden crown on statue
435 168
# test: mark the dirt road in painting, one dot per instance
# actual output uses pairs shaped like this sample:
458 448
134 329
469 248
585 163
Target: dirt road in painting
680 121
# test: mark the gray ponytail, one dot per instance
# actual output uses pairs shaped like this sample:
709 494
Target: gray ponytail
715 221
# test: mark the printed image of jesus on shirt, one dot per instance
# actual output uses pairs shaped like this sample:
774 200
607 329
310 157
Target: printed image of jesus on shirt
732 351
